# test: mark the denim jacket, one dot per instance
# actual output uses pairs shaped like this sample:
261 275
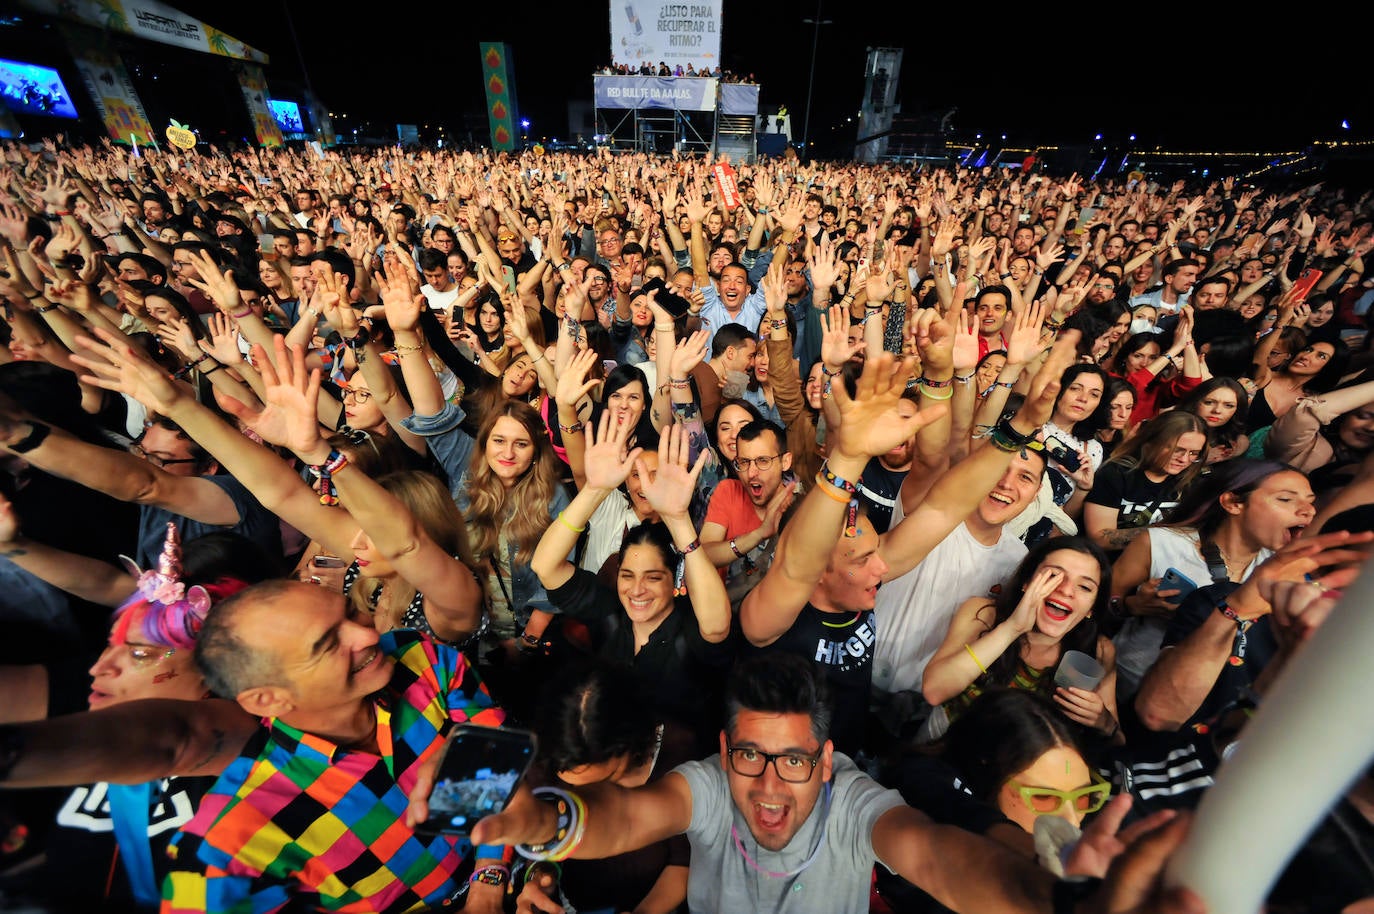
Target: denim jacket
453 448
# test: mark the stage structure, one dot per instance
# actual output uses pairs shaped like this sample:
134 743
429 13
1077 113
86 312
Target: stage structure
690 114
88 26
881 72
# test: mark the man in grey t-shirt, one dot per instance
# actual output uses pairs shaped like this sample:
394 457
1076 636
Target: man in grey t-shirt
782 823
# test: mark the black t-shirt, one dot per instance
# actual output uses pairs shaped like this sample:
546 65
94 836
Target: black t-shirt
82 853
1139 500
682 673
879 489
842 643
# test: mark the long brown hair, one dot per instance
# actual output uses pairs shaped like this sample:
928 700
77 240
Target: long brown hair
1157 438
429 501
522 511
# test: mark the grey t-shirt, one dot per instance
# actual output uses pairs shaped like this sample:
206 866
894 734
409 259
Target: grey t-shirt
722 881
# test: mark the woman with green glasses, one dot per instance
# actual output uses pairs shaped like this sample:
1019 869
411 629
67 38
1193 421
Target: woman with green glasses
1013 750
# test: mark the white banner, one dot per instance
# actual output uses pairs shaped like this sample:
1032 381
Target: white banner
677 34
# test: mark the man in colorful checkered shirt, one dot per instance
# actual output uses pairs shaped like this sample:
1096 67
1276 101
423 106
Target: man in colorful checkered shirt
312 812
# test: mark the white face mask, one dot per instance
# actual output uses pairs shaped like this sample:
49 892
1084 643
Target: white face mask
1143 325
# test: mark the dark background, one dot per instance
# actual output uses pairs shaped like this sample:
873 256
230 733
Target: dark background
1199 79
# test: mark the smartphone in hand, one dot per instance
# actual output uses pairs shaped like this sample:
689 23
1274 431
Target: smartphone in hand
477 776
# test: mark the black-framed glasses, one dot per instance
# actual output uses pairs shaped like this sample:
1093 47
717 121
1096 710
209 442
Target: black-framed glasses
790 767
160 462
763 463
358 395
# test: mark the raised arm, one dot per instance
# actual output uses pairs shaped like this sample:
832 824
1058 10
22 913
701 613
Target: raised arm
129 743
956 494
453 598
118 366
873 422
608 465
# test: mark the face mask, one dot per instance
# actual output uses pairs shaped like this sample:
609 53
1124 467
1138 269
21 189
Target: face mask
1142 325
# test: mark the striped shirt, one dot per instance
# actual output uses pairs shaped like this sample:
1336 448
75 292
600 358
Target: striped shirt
296 819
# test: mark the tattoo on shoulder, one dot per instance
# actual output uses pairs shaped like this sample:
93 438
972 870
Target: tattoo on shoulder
13 553
1119 539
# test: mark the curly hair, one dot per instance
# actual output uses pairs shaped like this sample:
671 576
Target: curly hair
521 511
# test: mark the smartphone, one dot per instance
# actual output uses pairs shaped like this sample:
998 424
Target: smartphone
1064 455
477 776
1306 283
508 274
667 297
328 561
1176 580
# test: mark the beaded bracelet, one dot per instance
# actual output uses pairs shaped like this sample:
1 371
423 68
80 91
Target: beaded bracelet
493 874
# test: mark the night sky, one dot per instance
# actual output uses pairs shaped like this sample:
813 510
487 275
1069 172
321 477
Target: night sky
1208 81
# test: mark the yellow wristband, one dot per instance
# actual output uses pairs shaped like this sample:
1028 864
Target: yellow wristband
971 654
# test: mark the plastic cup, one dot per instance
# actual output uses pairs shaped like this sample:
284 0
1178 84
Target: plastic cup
1078 670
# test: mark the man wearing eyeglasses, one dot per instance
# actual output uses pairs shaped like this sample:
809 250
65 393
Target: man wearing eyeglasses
165 473
744 514
782 823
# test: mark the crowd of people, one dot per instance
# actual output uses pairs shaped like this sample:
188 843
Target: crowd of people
941 523
647 68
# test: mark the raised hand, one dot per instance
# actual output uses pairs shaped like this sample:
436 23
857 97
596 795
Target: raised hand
672 487
1041 585
1044 387
878 418
935 339
777 506
836 347
572 381
687 355
291 393
607 464
216 283
402 305
965 353
1025 341
176 334
223 344
117 365
822 261
1046 259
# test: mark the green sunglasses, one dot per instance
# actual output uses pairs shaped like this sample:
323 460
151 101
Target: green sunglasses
1047 801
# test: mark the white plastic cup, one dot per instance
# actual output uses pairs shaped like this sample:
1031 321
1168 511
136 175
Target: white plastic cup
1078 670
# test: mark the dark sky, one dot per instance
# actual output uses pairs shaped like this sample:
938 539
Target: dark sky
1203 81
